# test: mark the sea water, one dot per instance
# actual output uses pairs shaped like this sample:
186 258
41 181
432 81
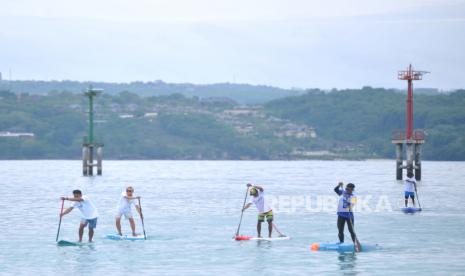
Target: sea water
192 210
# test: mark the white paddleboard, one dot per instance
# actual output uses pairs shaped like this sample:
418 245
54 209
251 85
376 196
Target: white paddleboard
270 239
125 237
249 238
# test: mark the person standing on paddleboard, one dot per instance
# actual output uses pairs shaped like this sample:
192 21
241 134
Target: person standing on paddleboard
264 211
124 208
345 210
409 186
89 213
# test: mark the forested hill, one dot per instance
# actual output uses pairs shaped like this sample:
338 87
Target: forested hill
351 124
241 93
369 116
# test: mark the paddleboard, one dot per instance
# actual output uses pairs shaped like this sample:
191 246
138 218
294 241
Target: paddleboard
410 210
342 247
68 243
250 238
125 237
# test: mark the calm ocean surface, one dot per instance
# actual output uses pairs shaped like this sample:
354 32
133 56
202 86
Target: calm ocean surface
192 209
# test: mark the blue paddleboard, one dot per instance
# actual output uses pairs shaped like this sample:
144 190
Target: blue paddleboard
125 237
411 210
342 247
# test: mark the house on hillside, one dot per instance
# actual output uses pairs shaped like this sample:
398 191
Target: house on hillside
151 114
244 111
17 134
116 108
217 101
244 129
131 107
297 131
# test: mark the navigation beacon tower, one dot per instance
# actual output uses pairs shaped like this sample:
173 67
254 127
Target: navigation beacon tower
413 139
89 146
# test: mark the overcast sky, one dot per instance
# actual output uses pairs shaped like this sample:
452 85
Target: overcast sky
292 43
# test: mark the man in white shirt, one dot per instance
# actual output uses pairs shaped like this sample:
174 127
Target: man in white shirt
410 187
264 210
126 201
89 213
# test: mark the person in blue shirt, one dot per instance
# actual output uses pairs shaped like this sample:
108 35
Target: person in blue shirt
345 213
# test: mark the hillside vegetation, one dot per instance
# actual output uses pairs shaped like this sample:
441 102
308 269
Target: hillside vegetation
369 116
340 124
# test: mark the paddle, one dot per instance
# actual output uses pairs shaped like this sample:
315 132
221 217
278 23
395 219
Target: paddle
418 199
277 230
59 223
357 245
142 219
242 212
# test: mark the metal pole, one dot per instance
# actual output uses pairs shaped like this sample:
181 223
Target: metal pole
84 160
91 118
410 157
90 137
99 160
418 161
399 161
91 160
410 106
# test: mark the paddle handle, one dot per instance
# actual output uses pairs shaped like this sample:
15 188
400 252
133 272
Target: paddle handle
242 211
142 219
59 223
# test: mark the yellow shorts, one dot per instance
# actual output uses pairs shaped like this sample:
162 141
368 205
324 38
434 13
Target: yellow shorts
268 215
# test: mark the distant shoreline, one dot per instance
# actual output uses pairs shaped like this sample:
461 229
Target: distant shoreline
232 160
